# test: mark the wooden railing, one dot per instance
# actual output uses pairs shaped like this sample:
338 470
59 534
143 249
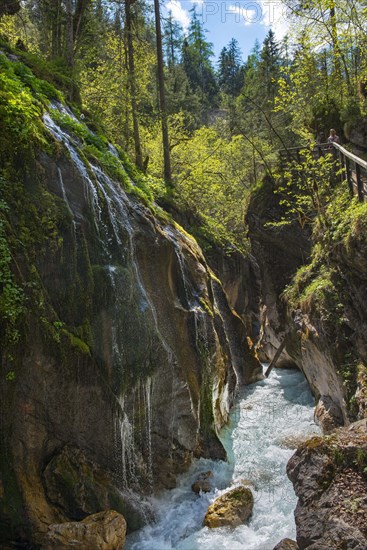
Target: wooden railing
353 168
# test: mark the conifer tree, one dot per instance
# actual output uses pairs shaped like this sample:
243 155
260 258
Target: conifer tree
230 70
173 36
196 60
269 65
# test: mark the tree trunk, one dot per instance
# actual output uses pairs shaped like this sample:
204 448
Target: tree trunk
56 32
126 102
162 96
69 34
78 20
132 83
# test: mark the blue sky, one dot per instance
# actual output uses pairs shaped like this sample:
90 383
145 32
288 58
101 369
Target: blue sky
226 19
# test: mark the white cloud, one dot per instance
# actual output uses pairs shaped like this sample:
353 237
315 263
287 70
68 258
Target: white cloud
179 14
245 14
275 16
269 13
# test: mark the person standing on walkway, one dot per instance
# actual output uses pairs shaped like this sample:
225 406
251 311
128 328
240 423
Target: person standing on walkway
333 138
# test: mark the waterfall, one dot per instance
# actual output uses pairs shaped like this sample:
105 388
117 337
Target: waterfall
147 388
125 447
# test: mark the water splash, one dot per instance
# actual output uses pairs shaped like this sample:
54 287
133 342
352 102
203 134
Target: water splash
63 109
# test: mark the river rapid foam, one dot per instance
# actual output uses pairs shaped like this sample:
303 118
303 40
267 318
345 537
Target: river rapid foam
269 420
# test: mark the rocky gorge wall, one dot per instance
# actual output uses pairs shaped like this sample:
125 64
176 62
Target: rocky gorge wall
313 295
128 354
327 343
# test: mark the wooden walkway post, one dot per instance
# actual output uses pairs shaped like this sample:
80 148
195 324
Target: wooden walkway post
349 177
359 182
276 357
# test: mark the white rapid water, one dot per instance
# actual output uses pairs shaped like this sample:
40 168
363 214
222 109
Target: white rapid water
268 418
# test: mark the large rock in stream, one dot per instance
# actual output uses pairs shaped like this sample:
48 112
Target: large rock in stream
231 509
102 531
286 544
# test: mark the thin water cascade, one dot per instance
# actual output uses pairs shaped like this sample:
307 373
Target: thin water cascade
89 187
268 420
125 439
111 209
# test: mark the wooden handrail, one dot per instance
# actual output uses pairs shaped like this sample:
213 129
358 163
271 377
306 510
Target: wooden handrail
350 155
345 157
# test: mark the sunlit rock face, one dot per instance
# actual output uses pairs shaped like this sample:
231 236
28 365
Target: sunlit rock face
328 475
130 362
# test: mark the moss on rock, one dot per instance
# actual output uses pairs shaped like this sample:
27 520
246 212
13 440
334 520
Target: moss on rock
231 509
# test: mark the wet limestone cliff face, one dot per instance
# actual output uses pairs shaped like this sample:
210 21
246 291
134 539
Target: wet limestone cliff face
128 354
327 341
238 272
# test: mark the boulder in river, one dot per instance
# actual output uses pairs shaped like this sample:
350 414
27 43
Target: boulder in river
102 531
328 414
232 509
203 484
286 544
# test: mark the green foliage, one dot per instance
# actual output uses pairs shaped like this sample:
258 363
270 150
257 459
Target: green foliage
80 130
12 297
19 111
306 185
313 289
212 182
